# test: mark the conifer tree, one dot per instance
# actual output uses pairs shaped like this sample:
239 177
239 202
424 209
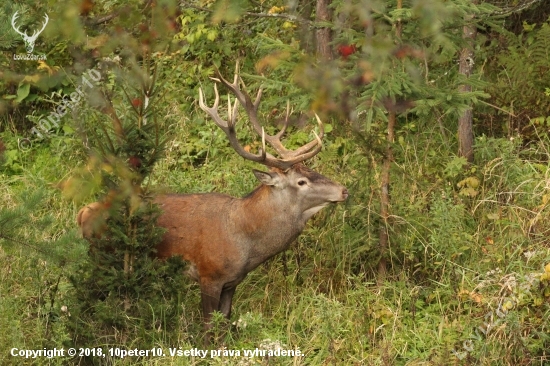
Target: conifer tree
120 280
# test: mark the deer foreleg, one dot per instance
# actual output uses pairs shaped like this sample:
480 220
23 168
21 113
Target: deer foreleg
210 299
225 301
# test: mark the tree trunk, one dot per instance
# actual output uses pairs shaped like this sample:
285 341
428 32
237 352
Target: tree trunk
306 36
385 182
323 34
385 199
465 122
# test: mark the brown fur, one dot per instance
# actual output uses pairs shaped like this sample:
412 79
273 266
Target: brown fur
91 220
224 238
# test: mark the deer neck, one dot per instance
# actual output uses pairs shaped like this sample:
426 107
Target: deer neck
267 223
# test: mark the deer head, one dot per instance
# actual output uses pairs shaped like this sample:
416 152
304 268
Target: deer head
29 40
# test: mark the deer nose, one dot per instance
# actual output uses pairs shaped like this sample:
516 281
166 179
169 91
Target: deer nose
345 193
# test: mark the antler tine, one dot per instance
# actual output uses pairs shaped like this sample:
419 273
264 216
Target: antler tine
251 109
14 26
288 157
234 87
212 111
285 123
310 145
232 114
273 140
258 98
229 128
36 33
302 153
305 152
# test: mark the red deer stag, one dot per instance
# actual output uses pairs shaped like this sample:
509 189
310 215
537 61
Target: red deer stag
224 238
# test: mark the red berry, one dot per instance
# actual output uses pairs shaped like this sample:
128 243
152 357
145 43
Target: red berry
134 162
346 49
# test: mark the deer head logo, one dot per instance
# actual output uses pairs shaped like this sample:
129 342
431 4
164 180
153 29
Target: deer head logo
29 40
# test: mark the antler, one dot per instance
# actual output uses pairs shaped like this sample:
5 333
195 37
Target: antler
289 157
29 41
36 33
16 28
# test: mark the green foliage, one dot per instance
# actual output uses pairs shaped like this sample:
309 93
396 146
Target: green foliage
121 287
32 210
468 246
520 69
9 38
125 140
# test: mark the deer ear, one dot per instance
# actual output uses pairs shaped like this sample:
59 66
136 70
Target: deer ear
267 178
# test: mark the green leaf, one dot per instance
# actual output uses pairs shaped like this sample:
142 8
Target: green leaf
229 11
23 92
211 35
67 129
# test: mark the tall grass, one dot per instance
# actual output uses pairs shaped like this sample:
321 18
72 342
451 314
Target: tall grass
459 252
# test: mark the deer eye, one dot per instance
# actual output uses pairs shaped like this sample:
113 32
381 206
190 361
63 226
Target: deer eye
301 182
